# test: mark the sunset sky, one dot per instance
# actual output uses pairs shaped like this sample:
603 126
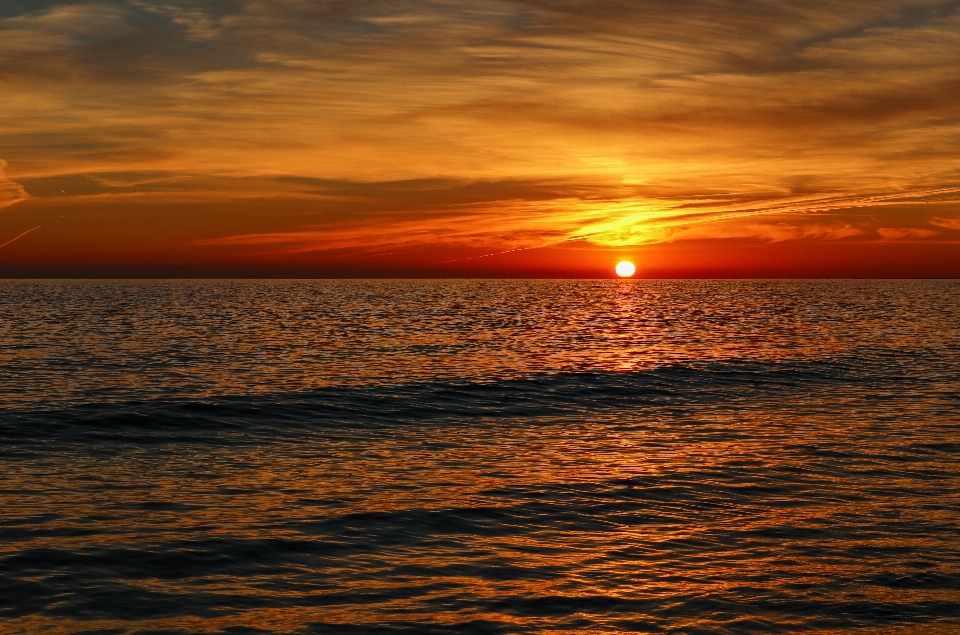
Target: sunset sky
479 138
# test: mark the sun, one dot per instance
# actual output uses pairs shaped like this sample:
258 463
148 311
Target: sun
625 269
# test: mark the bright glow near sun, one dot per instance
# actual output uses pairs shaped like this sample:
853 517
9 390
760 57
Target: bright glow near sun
625 269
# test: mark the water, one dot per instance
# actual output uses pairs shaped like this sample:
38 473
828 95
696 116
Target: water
480 457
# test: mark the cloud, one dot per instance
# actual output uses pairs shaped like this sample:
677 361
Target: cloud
10 192
904 233
947 223
500 217
774 232
62 27
198 24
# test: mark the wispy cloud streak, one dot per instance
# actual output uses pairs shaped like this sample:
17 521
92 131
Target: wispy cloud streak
13 240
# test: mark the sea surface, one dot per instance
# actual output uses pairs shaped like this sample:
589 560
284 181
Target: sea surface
479 457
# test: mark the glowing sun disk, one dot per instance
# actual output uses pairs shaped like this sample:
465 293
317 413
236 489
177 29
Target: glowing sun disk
625 269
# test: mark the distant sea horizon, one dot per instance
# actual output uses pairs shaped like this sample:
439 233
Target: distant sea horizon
614 277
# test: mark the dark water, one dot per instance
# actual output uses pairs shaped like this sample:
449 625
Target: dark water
480 457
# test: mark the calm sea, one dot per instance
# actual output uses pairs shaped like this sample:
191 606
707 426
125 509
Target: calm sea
480 457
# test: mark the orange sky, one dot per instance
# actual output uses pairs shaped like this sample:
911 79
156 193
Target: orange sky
479 138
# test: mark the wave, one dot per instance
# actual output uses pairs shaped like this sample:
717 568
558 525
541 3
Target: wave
545 396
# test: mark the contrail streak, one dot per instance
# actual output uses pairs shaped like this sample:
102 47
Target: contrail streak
20 236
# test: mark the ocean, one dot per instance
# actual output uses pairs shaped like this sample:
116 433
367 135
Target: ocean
479 456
